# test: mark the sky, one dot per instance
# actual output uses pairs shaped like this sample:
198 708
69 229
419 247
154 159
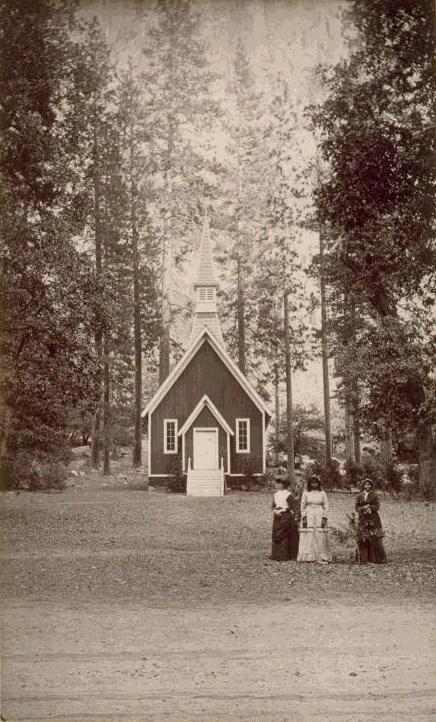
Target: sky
292 36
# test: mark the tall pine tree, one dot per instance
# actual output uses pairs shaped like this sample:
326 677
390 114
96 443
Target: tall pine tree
48 285
176 84
378 140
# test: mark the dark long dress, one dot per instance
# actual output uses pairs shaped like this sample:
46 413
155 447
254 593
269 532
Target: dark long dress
369 530
284 535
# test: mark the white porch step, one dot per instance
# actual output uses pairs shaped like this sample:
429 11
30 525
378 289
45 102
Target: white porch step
205 482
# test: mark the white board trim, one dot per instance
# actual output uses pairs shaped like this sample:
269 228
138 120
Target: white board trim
205 401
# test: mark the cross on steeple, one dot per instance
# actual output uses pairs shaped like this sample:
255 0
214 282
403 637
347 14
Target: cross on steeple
205 287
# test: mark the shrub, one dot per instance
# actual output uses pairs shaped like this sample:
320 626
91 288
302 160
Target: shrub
373 469
345 536
392 476
23 472
385 476
18 472
266 481
353 473
427 492
411 488
249 480
314 468
331 477
52 475
175 482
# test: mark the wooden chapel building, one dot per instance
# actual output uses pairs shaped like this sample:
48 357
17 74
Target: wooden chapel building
206 413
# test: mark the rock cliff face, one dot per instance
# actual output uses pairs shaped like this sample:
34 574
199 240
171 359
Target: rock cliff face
303 32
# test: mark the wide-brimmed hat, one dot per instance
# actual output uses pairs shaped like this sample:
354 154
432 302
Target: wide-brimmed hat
367 481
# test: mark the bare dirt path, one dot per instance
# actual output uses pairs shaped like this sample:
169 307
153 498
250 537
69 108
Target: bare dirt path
288 661
132 605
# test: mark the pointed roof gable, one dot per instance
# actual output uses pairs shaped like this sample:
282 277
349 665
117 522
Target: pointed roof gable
184 361
205 402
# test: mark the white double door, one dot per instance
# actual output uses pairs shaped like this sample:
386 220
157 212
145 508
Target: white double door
206 448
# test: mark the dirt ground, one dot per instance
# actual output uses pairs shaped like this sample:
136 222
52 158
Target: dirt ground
276 662
133 605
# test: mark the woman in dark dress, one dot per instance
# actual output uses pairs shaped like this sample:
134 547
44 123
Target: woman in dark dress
369 526
285 524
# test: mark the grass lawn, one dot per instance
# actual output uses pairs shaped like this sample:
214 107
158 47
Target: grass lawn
164 549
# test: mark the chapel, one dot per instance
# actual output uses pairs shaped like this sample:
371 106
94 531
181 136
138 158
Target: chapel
206 414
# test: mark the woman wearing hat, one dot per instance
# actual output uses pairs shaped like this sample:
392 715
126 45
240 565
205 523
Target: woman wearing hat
314 543
285 525
369 527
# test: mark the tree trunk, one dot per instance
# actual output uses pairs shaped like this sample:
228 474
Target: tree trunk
165 340
349 449
289 407
96 422
137 445
354 387
325 361
277 410
106 406
164 345
6 425
386 446
427 460
241 317
356 439
95 437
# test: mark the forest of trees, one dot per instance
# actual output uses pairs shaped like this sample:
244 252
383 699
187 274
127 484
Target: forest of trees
108 168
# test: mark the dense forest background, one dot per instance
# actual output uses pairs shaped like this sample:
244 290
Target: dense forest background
305 130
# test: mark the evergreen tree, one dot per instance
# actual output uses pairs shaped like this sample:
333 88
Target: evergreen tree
48 287
89 122
243 203
141 253
280 290
378 199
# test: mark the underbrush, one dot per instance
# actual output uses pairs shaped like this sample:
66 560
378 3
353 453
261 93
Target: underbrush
401 481
23 472
175 482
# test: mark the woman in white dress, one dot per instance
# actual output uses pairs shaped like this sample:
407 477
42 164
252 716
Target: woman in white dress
314 543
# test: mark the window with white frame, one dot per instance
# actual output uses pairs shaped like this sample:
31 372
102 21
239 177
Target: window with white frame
170 436
242 435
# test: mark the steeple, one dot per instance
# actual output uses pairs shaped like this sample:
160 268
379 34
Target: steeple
205 287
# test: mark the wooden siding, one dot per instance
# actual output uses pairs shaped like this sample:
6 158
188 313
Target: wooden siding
207 374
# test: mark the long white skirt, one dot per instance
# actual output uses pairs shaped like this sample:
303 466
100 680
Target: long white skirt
314 545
